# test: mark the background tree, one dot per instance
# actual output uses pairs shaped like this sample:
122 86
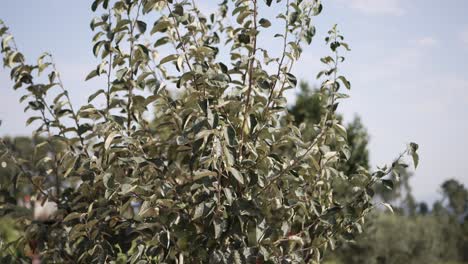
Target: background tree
310 106
15 193
455 196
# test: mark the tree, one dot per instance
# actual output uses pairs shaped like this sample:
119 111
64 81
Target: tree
455 196
308 109
24 149
15 193
212 183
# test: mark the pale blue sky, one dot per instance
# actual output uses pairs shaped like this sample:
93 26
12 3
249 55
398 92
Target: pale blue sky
408 67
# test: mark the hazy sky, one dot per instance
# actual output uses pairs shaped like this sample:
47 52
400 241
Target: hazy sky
408 68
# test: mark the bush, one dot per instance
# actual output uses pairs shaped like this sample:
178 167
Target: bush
222 176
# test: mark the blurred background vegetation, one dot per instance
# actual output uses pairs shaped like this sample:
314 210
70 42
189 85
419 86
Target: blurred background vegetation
415 233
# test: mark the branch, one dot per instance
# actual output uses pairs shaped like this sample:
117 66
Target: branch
74 116
251 72
184 49
130 61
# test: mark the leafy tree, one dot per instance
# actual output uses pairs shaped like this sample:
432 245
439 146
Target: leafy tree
212 181
24 149
457 196
308 109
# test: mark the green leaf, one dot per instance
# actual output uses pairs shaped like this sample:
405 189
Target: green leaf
414 154
168 58
160 26
69 165
95 4
204 173
91 75
181 140
198 211
345 45
72 216
32 119
244 38
217 224
109 139
291 78
97 47
141 26
178 10
265 23
388 184
237 175
161 41
94 95
389 207
415 157
242 16
346 83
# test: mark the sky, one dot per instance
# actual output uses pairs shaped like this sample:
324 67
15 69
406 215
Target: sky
408 67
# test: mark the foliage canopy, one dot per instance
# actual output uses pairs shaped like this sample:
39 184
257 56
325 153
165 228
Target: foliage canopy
224 175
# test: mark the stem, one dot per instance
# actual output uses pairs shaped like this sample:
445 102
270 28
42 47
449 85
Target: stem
285 44
57 178
74 116
38 98
109 71
184 49
330 111
251 72
270 98
130 62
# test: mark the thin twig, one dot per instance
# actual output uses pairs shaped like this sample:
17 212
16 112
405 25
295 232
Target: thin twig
251 72
130 62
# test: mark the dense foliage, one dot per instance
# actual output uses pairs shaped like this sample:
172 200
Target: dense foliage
222 174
